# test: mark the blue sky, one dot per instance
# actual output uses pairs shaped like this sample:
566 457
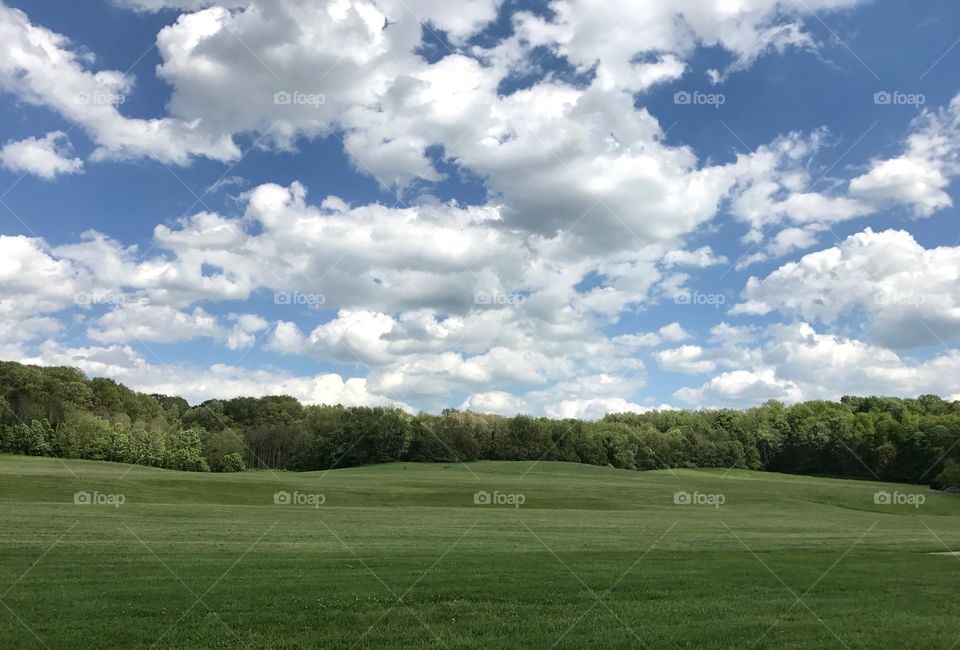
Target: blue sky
563 208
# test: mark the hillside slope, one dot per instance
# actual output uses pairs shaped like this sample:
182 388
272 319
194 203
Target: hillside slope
129 571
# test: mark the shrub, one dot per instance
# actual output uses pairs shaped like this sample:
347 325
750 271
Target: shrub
232 462
949 477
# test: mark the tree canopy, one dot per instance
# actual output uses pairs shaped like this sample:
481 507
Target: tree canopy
57 411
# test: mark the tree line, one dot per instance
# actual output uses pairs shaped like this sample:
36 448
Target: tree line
58 411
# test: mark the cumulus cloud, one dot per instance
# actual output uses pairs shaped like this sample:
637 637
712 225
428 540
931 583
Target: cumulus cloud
46 157
701 258
673 332
589 396
907 294
920 175
783 243
794 362
586 215
405 283
741 388
558 157
244 332
497 402
197 384
605 35
44 68
36 283
774 184
686 358
148 323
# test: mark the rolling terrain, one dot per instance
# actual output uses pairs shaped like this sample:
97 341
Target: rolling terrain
402 555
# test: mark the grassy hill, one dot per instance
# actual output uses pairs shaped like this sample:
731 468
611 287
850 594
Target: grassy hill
400 555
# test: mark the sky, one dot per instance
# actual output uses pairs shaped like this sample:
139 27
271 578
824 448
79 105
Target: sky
562 208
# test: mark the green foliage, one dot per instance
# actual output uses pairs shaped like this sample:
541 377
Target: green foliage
217 445
32 439
950 476
59 412
232 462
185 448
358 436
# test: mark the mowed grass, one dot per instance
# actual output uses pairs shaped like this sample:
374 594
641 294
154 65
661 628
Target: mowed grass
399 556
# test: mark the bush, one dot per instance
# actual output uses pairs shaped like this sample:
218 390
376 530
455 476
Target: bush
949 477
232 462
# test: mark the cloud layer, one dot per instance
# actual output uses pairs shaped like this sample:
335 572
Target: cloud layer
588 221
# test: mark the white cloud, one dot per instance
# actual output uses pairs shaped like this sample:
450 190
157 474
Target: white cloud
442 299
559 158
673 332
596 408
732 335
795 362
606 35
122 363
741 388
588 396
908 295
495 401
141 322
46 157
159 5
35 284
244 332
920 175
352 336
774 184
783 243
686 358
286 338
403 281
43 68
917 182
700 258
592 408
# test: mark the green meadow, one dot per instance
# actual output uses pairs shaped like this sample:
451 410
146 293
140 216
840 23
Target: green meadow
556 555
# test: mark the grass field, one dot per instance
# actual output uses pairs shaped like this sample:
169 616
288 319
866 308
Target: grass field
400 556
